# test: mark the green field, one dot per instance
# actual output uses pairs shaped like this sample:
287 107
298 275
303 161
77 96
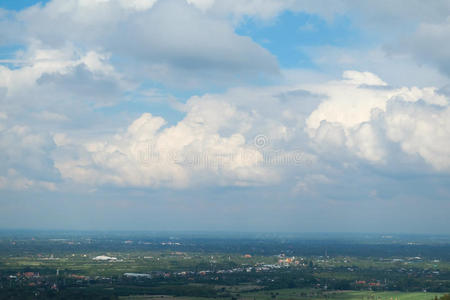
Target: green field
231 269
301 294
307 294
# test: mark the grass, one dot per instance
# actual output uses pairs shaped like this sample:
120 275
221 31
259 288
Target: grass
305 294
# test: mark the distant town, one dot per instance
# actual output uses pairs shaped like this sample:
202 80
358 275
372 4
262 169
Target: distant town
241 268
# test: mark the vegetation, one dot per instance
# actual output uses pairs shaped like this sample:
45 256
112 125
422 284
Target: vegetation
122 266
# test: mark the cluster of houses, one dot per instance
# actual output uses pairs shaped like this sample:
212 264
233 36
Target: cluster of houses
282 262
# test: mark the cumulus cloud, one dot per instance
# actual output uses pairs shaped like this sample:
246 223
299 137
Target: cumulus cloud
418 29
87 105
82 52
422 130
429 45
187 154
359 117
364 118
171 42
25 161
352 100
15 181
60 75
21 146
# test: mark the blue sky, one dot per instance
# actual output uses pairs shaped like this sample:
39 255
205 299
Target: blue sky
225 115
286 35
17 5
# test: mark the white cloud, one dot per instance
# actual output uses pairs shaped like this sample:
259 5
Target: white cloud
352 100
201 4
79 104
25 161
381 14
187 154
44 65
429 45
421 130
359 116
397 70
367 142
50 116
138 4
308 183
365 118
214 143
167 41
15 181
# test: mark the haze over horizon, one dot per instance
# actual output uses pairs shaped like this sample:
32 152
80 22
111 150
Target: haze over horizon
225 115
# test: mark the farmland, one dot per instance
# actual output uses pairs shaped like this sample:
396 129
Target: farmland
148 265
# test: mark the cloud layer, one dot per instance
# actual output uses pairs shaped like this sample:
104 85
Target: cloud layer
360 117
171 42
164 100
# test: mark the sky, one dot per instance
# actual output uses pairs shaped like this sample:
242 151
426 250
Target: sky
225 115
